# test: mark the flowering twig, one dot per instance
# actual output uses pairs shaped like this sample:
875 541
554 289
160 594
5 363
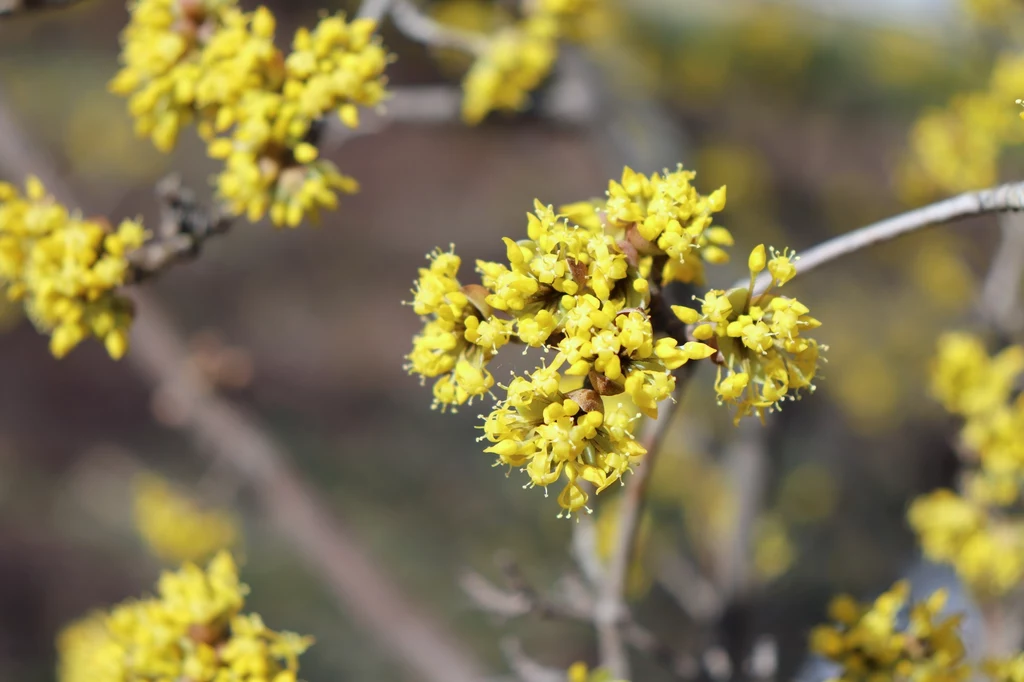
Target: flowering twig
610 612
1008 197
361 587
416 25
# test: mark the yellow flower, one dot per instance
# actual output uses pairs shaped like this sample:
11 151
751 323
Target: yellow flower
967 380
459 337
175 527
210 63
869 643
580 286
192 629
664 214
66 269
518 58
550 434
763 357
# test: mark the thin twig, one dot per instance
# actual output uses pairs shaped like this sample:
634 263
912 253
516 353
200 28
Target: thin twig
374 9
1001 292
747 466
697 596
610 612
573 602
412 22
361 587
525 668
1008 197
12 7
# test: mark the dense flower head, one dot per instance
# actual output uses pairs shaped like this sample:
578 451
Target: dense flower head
665 214
985 548
208 62
762 356
193 628
873 642
967 380
175 527
518 57
1005 670
66 269
551 434
958 147
460 335
978 529
579 287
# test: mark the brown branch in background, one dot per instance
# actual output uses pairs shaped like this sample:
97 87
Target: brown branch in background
327 547
1000 199
747 466
12 7
610 610
321 542
374 9
574 601
414 24
1001 291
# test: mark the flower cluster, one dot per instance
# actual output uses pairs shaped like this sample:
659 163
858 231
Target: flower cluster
519 57
207 62
761 356
583 284
175 527
1005 670
871 644
192 629
978 531
66 269
957 148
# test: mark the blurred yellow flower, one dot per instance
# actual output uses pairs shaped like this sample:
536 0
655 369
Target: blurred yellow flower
192 629
175 527
208 62
870 643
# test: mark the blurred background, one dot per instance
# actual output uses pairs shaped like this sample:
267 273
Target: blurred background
803 109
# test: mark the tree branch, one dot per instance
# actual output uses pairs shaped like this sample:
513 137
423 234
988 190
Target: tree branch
610 612
1001 293
414 24
362 589
11 7
1008 197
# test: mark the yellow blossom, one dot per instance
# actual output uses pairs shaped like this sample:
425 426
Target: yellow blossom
664 214
518 58
66 269
193 628
762 356
259 109
579 286
175 527
459 336
550 435
870 643
977 531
